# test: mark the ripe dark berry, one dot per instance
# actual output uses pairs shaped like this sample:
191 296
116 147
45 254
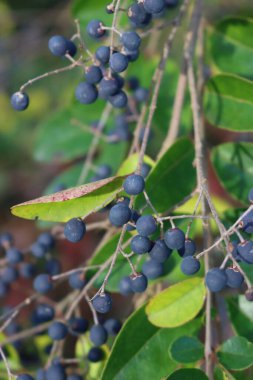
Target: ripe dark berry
93 74
19 101
133 83
47 240
95 355
138 15
171 3
234 278
9 275
94 29
108 87
174 238
24 376
160 252
41 374
112 326
120 214
103 54
104 171
118 62
152 269
118 100
247 222
86 93
189 248
154 6
74 230
27 270
249 294
141 94
233 249
71 48
53 267
44 312
125 286
74 377
58 330
102 303
78 325
131 40
190 265
145 169
139 283
42 283
58 45
98 335
250 196
134 184
6 239
245 251
38 250
56 372
216 279
13 256
146 225
140 244
3 289
132 55
77 280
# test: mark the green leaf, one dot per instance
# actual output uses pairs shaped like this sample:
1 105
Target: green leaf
88 9
74 202
233 164
141 350
178 304
161 187
220 373
229 102
187 349
58 139
241 315
130 164
188 374
231 45
236 353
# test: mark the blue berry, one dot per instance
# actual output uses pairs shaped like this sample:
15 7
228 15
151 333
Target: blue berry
131 40
58 330
53 267
24 376
98 335
6 238
234 278
145 169
139 283
42 283
94 29
38 250
141 94
146 225
134 184
118 100
104 171
160 252
47 239
112 326
190 265
245 251
174 238
125 286
86 93
19 101
74 230
78 325
108 87
77 280
44 312
93 74
216 279
103 54
71 48
120 214
41 374
102 303
247 222
152 269
140 244
9 275
3 289
132 55
138 15
118 62
27 270
233 249
74 377
13 256
250 196
171 3
95 355
56 372
58 45
154 6
189 248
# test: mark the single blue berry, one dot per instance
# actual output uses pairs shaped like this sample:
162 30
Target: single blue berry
160 252
140 244
44 312
53 267
58 45
103 171
112 326
13 256
102 303
120 214
118 100
57 330
174 238
190 265
77 280
138 15
132 55
171 3
141 94
71 48
24 376
41 374
152 269
9 275
56 372
145 169
146 225
78 325
93 74
189 248
234 278
95 29
86 93
131 40
74 230
42 283
216 279
108 87
118 62
38 250
19 101
4 288
103 54
245 251
47 239
125 286
27 270
133 83
98 335
134 184
247 222
154 6
75 377
95 355
250 196
139 283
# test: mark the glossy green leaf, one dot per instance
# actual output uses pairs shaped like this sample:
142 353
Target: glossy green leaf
233 164
74 202
229 102
241 316
187 349
177 304
131 163
231 45
188 374
141 350
161 187
236 353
